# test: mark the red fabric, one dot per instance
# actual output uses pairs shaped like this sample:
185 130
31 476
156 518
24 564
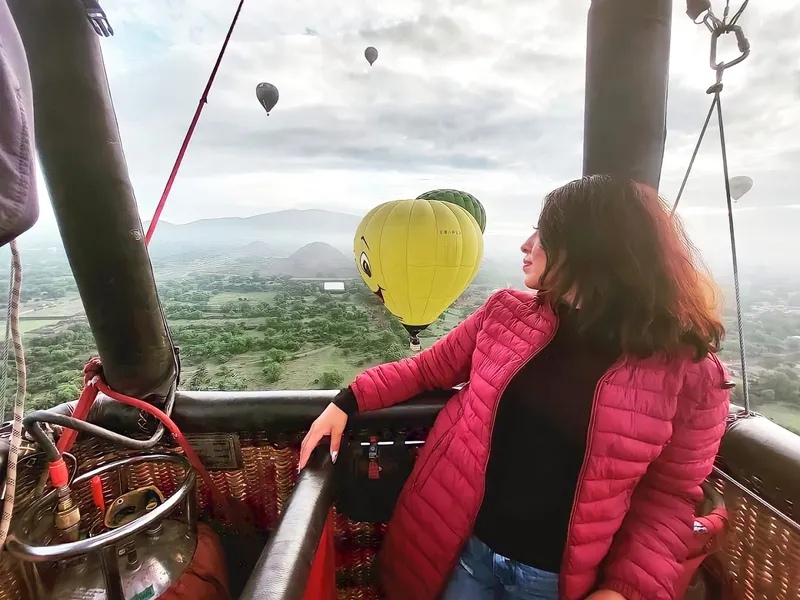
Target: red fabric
321 583
654 433
703 545
206 575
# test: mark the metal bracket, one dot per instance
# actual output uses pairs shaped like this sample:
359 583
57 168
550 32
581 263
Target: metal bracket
97 17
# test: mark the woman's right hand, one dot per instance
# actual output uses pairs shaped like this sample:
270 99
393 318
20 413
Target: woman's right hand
331 423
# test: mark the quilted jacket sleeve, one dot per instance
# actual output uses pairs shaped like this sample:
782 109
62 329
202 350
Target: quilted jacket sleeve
445 364
645 559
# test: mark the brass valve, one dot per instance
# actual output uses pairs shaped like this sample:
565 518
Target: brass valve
68 515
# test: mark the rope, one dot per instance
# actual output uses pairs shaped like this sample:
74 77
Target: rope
734 258
203 101
6 347
10 485
694 154
723 27
716 103
739 12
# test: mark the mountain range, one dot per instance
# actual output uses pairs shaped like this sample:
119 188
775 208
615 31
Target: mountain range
300 243
766 238
279 233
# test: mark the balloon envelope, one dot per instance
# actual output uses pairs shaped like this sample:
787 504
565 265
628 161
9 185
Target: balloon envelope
267 95
740 185
466 201
418 257
371 54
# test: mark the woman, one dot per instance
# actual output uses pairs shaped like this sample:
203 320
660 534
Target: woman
569 466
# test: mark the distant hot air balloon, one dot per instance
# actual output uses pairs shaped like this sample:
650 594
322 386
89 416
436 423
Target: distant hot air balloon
267 95
466 201
371 54
740 185
418 257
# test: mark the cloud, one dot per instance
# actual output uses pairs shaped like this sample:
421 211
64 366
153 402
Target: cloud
481 94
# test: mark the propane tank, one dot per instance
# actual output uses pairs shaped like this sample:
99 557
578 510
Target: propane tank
130 550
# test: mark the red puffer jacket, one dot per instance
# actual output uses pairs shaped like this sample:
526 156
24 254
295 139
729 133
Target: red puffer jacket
653 435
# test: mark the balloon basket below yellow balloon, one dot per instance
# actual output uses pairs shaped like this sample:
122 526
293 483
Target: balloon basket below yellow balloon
415 344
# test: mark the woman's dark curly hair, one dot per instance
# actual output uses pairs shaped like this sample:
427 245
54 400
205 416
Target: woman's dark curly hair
614 250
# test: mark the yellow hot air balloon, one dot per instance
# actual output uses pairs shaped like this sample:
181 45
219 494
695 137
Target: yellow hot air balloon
417 257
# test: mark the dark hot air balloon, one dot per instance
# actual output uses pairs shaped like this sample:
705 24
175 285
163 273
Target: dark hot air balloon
466 201
267 95
371 54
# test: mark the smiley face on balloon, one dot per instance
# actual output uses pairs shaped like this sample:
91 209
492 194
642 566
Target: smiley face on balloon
418 257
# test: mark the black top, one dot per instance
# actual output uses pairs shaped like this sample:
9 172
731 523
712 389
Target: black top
346 400
538 446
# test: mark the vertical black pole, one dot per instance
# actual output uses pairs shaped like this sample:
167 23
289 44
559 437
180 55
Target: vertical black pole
627 74
82 159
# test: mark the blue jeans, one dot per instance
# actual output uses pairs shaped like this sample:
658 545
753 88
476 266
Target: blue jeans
485 575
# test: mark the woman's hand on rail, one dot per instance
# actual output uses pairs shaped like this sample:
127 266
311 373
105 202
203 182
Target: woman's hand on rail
331 423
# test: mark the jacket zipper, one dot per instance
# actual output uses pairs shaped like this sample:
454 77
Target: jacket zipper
497 405
581 474
418 481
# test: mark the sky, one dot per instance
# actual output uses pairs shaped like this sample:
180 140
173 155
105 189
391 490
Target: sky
481 95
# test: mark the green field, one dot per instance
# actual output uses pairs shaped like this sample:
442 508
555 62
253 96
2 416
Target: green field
785 416
31 325
303 373
298 373
63 307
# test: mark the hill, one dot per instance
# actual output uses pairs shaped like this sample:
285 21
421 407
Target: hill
283 232
261 249
315 260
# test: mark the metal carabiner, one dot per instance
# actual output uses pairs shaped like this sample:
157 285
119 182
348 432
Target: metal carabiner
741 41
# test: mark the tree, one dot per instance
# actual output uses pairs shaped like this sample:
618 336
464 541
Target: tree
331 380
66 392
767 396
272 372
275 355
200 379
392 353
785 389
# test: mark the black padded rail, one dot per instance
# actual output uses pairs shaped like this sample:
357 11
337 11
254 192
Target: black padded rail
764 457
282 570
224 412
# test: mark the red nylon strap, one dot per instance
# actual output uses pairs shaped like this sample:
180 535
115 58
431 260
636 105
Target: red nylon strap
88 396
203 101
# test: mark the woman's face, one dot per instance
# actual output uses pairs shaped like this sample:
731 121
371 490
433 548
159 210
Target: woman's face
533 261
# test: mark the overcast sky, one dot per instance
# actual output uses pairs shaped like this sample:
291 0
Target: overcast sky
482 95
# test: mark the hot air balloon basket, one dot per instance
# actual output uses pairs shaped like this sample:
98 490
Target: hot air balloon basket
261 486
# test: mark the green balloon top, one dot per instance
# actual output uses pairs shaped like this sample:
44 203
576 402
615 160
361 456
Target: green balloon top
463 199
